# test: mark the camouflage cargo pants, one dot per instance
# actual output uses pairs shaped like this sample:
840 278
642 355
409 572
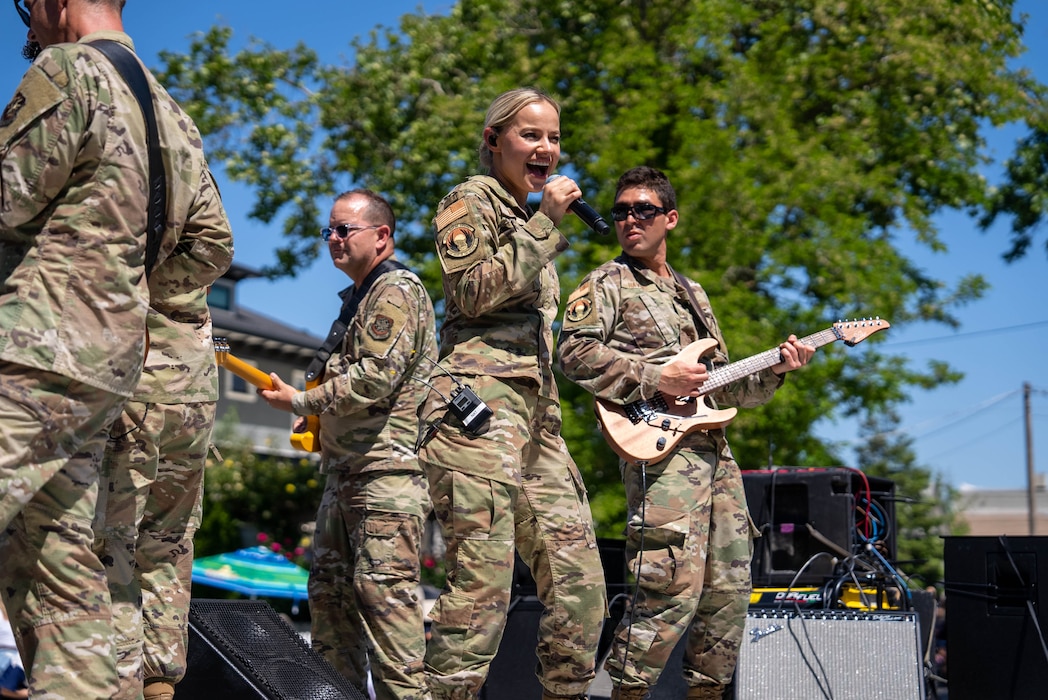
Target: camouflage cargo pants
52 435
694 569
148 511
364 594
545 515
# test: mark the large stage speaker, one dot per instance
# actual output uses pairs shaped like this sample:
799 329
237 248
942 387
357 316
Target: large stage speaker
512 673
996 618
830 654
243 649
803 512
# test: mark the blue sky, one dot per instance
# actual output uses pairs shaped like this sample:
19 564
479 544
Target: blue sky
971 433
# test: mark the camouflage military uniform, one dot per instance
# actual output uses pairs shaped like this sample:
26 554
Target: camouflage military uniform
514 483
153 471
363 586
620 325
73 304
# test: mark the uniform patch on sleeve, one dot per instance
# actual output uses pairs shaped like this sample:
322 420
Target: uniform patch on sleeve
381 327
36 95
460 241
13 108
579 306
453 213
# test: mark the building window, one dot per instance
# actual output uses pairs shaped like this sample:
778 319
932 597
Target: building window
239 389
220 296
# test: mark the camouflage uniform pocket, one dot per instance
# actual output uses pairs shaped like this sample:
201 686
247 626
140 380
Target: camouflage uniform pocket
663 565
387 548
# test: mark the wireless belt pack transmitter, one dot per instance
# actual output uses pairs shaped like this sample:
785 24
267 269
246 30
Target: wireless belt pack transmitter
469 408
464 403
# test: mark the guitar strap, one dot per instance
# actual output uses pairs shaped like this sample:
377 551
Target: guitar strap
696 310
131 71
351 298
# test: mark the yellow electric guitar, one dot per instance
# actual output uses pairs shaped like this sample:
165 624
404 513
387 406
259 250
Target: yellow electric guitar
307 441
647 430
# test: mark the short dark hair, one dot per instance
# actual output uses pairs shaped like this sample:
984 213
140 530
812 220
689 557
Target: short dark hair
649 178
378 210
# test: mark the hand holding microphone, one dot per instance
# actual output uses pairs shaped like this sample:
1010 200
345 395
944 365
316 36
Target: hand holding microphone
586 213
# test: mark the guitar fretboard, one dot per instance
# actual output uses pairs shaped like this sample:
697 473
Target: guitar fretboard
723 376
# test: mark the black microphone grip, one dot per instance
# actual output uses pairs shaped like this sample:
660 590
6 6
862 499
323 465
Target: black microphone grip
588 215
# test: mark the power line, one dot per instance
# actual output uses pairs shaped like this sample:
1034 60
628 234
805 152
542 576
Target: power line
970 334
980 438
953 418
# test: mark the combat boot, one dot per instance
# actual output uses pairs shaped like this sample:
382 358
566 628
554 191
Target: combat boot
158 690
635 692
705 692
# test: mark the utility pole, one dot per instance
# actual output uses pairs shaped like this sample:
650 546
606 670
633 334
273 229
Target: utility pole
1031 499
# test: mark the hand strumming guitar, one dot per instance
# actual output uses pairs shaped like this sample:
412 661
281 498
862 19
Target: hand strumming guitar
683 377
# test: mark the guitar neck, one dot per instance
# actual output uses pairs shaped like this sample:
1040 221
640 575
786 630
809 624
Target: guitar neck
723 376
246 372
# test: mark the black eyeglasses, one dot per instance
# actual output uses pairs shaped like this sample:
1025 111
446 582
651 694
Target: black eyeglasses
642 211
342 231
23 12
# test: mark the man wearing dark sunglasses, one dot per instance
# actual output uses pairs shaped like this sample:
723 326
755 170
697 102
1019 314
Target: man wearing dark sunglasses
75 309
365 385
623 330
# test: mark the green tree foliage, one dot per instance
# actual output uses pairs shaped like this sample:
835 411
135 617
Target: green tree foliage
809 141
252 499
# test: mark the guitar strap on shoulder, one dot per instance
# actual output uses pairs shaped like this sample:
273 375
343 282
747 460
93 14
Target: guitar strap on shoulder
351 298
696 310
127 65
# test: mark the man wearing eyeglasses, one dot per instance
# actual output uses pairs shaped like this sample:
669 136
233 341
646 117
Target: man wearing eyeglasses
74 301
623 329
371 376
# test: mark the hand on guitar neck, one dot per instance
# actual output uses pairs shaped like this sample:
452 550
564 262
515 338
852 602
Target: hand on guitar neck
275 391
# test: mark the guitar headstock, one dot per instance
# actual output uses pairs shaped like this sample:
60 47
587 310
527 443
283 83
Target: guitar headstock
221 350
854 332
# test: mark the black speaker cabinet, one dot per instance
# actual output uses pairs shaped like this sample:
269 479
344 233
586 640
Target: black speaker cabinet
512 673
243 649
804 512
830 654
996 614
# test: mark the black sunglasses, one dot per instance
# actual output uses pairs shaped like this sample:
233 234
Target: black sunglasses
342 231
22 11
641 211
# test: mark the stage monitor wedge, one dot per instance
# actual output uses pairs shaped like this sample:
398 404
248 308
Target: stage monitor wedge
242 649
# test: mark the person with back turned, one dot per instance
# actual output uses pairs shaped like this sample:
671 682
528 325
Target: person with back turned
74 212
623 329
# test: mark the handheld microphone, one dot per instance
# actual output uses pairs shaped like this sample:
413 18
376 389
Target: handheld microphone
587 214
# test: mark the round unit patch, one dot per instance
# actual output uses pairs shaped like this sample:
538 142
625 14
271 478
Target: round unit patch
380 327
578 309
460 241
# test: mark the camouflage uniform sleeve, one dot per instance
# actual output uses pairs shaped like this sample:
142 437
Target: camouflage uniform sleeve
41 130
378 349
585 352
486 257
202 255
